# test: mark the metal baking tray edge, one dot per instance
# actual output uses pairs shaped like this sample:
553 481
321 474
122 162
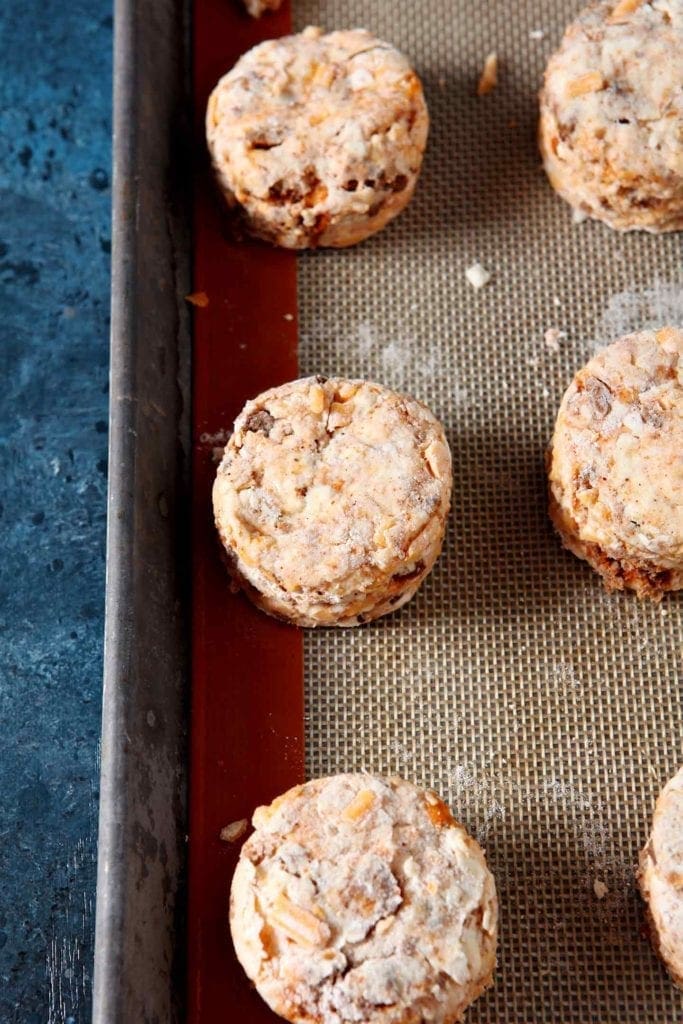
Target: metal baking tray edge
142 825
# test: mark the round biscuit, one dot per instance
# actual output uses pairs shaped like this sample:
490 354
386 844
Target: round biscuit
611 128
361 899
318 139
331 500
616 463
660 877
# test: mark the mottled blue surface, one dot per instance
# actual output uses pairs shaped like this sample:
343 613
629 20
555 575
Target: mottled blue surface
55 123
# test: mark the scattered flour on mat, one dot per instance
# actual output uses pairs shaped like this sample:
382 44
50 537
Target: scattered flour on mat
616 874
636 309
656 305
584 815
399 753
400 362
565 678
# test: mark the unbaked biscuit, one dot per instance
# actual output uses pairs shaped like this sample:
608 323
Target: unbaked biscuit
616 463
611 130
660 877
331 500
318 139
361 899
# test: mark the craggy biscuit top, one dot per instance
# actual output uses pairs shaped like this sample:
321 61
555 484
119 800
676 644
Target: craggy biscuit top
616 463
612 107
316 127
661 875
326 483
361 899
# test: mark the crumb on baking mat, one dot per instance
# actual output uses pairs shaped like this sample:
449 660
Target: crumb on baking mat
488 80
600 889
477 275
552 338
258 7
199 299
234 831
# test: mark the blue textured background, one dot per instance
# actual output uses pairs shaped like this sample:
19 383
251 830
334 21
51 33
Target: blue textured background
55 124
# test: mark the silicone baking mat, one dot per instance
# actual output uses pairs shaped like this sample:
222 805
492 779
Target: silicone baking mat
546 712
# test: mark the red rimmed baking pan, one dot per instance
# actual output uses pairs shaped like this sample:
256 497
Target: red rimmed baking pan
545 711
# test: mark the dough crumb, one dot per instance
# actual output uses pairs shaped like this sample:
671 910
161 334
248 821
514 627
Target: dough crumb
489 76
258 7
477 275
537 33
552 338
234 831
287 316
200 299
600 889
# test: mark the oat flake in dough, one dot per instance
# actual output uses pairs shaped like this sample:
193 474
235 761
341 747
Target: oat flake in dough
331 500
660 877
360 899
616 463
318 139
611 129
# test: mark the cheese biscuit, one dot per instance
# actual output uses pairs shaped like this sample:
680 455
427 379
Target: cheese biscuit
361 899
616 463
660 877
331 500
318 139
611 129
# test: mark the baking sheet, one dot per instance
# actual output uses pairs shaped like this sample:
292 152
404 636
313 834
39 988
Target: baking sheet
547 712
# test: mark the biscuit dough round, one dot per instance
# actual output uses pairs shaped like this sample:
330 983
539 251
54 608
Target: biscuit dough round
318 139
660 877
331 500
616 463
611 129
361 899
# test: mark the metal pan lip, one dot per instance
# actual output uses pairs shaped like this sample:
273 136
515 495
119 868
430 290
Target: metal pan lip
142 818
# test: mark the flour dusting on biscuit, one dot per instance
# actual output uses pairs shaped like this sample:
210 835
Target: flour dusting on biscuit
318 139
360 899
331 500
616 463
611 130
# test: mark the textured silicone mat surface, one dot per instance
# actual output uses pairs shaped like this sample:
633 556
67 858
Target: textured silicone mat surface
546 711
